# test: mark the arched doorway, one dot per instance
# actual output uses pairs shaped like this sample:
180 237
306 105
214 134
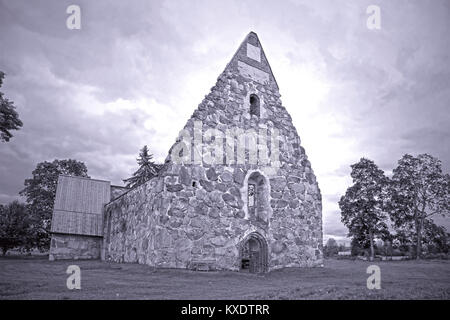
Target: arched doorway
253 254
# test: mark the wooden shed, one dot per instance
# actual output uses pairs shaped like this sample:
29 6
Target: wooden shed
77 222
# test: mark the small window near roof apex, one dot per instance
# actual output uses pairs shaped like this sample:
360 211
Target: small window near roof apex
254 105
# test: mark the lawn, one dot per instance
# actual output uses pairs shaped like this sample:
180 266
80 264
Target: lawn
38 278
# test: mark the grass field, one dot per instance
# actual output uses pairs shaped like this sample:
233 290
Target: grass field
38 278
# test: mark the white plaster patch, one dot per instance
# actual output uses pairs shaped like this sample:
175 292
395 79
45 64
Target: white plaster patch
253 52
253 73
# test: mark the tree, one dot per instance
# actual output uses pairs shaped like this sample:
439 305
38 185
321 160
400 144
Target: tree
360 243
40 193
147 169
435 237
16 227
355 246
9 118
331 248
418 190
362 205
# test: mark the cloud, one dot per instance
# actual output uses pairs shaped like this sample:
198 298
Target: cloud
136 71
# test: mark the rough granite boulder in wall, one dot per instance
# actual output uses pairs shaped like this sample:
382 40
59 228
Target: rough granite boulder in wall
207 185
238 176
185 177
211 174
174 187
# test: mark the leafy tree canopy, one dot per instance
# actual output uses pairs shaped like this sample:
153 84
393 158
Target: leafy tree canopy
40 190
418 190
9 118
16 227
362 205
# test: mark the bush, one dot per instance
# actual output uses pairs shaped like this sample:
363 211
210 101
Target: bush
397 253
16 227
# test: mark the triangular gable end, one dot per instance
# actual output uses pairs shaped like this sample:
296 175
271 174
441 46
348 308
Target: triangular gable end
227 105
251 62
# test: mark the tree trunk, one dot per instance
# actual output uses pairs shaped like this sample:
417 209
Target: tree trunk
372 251
419 238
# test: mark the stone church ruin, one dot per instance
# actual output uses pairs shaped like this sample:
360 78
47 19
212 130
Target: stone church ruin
236 191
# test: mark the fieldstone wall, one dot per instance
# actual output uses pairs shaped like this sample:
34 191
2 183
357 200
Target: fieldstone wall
132 224
197 211
65 246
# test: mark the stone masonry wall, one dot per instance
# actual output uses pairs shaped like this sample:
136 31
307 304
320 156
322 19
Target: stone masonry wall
65 246
198 211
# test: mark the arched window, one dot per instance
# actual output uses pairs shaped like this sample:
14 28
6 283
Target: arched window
251 198
254 105
258 198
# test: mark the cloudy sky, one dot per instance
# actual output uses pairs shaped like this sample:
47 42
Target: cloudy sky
137 70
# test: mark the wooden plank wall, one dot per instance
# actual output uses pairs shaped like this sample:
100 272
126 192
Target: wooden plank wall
78 205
